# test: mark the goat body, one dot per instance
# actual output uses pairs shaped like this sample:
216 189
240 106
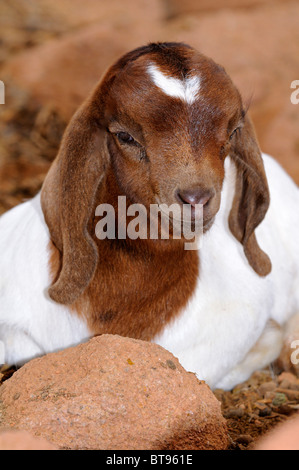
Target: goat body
165 125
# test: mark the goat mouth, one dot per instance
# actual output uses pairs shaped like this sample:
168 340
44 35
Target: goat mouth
206 224
186 217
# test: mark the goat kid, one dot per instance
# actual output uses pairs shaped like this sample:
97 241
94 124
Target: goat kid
165 125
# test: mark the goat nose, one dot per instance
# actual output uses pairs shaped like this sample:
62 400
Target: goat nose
195 196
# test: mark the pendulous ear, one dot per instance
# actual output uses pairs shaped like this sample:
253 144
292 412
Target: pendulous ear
68 197
252 197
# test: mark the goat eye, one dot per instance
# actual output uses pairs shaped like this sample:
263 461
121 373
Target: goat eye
235 131
125 138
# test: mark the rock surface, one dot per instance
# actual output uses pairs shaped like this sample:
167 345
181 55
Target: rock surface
177 7
284 437
61 72
22 440
113 393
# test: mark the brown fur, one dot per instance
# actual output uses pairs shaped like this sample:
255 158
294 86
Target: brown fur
139 285
132 287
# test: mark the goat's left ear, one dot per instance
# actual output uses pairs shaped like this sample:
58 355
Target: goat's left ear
252 197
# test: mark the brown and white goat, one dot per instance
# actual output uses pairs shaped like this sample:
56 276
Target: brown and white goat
166 125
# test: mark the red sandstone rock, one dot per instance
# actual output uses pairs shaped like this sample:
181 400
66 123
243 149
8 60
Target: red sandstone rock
177 7
113 393
22 440
284 437
62 72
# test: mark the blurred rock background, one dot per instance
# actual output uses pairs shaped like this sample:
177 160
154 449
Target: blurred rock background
52 52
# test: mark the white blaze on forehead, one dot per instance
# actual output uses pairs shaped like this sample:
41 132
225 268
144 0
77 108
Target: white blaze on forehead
186 89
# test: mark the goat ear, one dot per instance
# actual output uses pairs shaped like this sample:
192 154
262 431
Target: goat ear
252 197
68 198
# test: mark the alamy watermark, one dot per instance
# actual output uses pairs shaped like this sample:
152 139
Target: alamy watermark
295 94
295 354
2 93
161 221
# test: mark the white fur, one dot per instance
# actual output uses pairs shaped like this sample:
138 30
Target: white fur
225 332
232 305
186 89
31 324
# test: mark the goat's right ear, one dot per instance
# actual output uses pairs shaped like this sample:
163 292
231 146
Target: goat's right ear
252 197
68 198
